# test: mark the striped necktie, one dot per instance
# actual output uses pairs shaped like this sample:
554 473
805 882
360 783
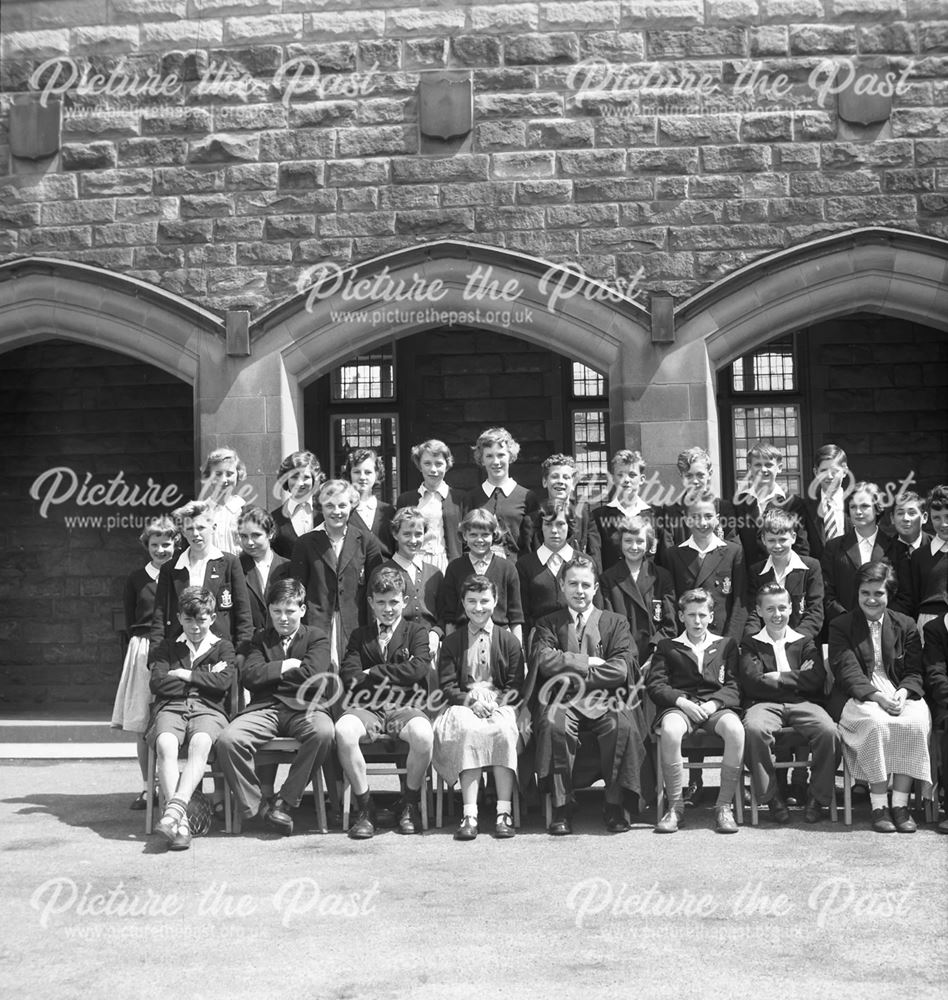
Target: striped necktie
829 520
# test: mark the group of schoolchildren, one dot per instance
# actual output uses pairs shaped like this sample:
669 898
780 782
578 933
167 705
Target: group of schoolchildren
484 629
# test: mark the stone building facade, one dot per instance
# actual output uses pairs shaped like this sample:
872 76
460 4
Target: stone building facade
238 198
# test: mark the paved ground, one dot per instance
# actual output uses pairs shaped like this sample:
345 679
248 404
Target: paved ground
93 907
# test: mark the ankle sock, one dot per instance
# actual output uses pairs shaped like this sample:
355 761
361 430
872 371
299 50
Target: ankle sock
503 806
900 799
176 809
730 776
471 811
878 800
672 774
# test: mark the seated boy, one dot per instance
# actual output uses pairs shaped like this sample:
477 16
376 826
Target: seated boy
585 664
693 682
191 678
385 673
800 576
782 680
286 672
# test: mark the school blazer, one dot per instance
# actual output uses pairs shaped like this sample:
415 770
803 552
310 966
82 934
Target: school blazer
311 683
540 591
556 652
333 584
805 588
452 511
404 672
840 563
381 526
923 582
421 598
674 674
604 550
740 522
670 520
285 536
757 659
934 660
512 512
138 602
815 530
648 606
225 579
509 610
279 570
851 657
723 575
212 688
506 667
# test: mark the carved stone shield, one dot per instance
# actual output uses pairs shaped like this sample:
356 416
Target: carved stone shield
445 104
866 97
34 129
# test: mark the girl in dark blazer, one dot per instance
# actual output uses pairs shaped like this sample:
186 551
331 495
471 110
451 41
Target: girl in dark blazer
255 529
540 590
222 576
365 470
842 556
333 562
442 506
639 590
884 723
300 476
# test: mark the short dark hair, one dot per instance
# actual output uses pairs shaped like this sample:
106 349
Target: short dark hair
477 583
387 581
195 601
877 571
769 589
288 589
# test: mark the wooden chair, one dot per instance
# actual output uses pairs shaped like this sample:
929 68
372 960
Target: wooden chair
386 756
789 739
706 743
282 750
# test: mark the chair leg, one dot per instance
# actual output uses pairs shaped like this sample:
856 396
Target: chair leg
439 803
230 806
346 802
321 824
548 807
425 789
152 769
516 805
834 811
739 800
847 795
754 805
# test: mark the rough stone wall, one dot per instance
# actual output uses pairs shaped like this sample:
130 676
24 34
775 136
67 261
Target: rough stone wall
227 200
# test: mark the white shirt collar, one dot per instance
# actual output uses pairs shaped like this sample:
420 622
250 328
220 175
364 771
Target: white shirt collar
370 503
586 614
709 638
789 636
152 570
795 562
208 642
292 506
937 544
400 560
506 487
867 541
544 553
211 552
478 559
715 543
473 630
834 500
638 505
442 490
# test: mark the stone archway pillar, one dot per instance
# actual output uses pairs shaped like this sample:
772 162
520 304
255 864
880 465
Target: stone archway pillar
255 395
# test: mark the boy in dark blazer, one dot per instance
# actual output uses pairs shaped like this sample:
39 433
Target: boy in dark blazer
843 556
386 674
758 493
201 564
825 501
333 561
705 561
935 662
923 581
694 467
800 576
640 591
287 673
191 679
261 565
585 664
693 683
782 679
